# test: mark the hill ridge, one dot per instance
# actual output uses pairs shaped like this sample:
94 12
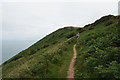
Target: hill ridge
50 57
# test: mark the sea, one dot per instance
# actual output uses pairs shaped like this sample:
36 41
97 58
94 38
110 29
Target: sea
12 47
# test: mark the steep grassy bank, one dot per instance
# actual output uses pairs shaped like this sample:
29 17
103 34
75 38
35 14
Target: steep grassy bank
98 53
48 58
99 49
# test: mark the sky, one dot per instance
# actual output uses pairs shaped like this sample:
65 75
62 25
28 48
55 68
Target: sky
34 19
119 8
0 35
60 0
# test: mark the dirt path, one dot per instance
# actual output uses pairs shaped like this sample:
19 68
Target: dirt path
70 72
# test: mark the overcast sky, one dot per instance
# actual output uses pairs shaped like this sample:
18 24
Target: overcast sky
33 20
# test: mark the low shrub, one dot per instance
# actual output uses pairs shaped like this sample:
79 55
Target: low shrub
45 46
108 23
70 35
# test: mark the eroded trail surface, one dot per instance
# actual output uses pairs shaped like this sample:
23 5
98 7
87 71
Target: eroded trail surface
70 72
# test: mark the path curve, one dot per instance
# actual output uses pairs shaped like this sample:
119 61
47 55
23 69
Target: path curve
70 72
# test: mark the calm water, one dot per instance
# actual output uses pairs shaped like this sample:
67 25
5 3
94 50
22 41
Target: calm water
11 48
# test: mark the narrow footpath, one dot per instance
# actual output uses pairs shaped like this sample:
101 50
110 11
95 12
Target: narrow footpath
70 72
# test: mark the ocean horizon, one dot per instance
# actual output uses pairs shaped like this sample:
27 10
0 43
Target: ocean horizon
12 47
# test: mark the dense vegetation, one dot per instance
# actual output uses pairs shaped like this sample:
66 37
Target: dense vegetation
98 50
48 58
98 53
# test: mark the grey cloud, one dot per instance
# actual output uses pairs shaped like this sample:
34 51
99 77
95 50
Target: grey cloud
35 20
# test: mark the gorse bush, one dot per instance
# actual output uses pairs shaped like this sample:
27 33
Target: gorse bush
71 35
98 53
109 23
98 50
41 67
48 58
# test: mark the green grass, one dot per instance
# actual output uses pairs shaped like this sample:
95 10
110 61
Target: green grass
98 53
48 58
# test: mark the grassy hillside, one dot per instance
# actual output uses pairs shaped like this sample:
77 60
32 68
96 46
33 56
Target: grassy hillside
48 58
98 49
98 53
